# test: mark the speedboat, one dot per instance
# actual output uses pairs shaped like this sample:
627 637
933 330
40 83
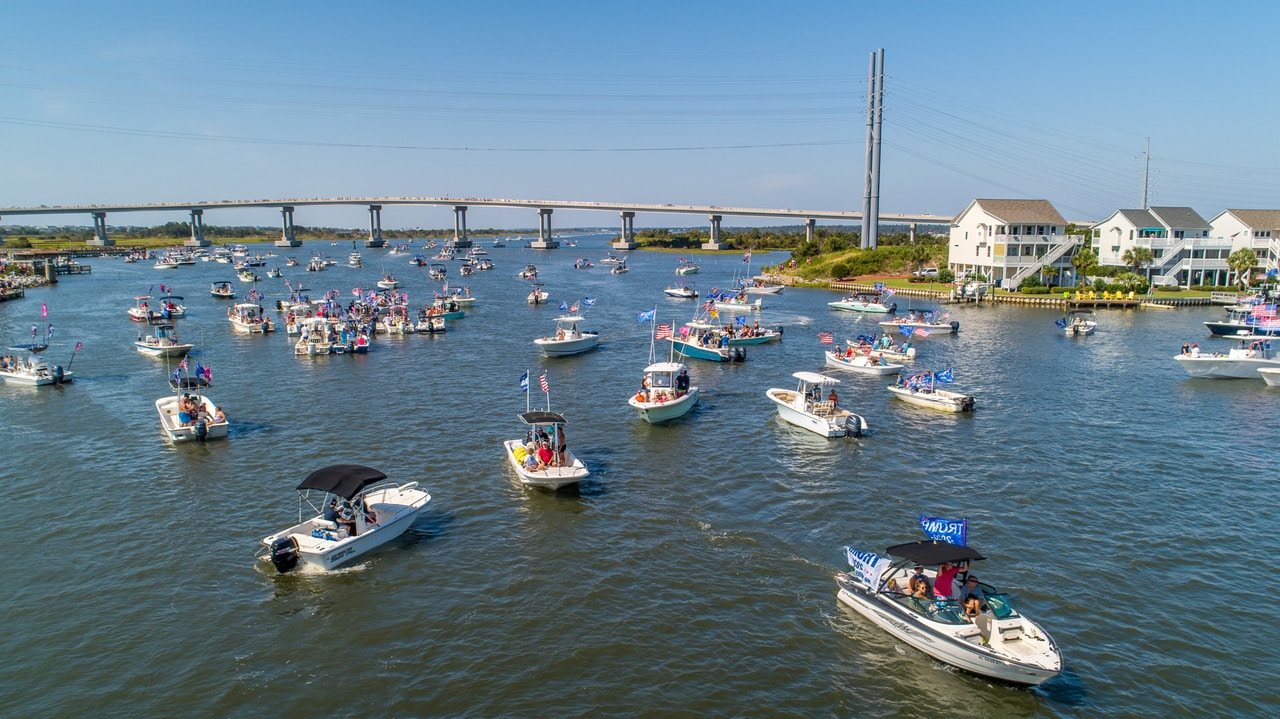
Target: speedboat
1077 323
568 339
663 395
141 310
999 643
207 423
1253 352
1270 375
430 323
917 320
247 275
581 263
538 296
1253 319
806 407
686 267
922 390
862 363
274 272
739 302
358 512
438 271
222 290
865 302
171 307
249 318
760 286
166 264
529 272
681 291
388 282
619 269
24 365
163 342
882 347
564 468
484 264
611 259
353 259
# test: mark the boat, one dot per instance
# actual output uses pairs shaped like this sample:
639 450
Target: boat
686 267
477 251
1077 323
544 437
430 323
1260 320
222 290
396 321
619 269
930 321
568 338
705 346
484 264
171 307
438 271
806 407
866 302
499 243
862 363
315 337
738 333
180 424
163 342
538 296
358 512
1000 643
467 269
922 390
353 260
611 259
665 393
141 310
735 302
274 272
388 282
759 286
681 291
249 318
1253 352
461 295
247 275
166 264
581 263
881 347
24 365
529 272
1270 375
448 309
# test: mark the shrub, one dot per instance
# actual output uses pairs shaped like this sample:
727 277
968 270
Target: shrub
839 270
1168 288
1034 290
946 275
1032 281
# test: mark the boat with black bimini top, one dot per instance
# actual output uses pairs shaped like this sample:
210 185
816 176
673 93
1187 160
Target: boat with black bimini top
542 458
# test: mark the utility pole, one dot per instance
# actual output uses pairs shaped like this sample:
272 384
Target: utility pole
868 177
875 163
1146 173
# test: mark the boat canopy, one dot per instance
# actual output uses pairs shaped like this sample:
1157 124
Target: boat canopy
344 480
815 378
665 367
541 417
1080 312
931 552
170 297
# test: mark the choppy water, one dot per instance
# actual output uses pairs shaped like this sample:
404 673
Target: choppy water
1128 508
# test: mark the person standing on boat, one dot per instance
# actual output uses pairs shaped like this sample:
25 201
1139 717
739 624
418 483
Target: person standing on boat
562 447
942 585
832 398
682 383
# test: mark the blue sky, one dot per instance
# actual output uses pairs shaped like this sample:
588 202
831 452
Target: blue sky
757 104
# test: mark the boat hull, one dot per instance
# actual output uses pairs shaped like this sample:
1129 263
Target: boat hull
565 348
710 354
862 364
38 379
167 408
551 477
840 423
154 350
1270 375
1207 367
657 412
965 655
1231 329
938 399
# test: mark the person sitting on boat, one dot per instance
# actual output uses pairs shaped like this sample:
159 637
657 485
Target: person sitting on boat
972 598
1186 348
219 415
346 517
1195 350
682 383
559 333
848 353
545 455
920 599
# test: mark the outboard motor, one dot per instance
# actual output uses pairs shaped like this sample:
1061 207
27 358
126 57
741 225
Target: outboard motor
955 326
739 354
201 430
57 374
284 554
779 329
893 308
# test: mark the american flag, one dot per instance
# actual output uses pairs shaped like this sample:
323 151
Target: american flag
747 257
663 332
542 380
826 338
183 363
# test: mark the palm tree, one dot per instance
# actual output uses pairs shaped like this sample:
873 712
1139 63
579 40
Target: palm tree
1136 257
1241 261
1086 262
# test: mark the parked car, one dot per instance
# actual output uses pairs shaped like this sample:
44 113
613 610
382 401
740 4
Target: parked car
927 272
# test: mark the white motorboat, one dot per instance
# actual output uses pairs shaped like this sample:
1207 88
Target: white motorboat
1270 375
222 290
359 512
538 296
182 425
353 259
865 302
620 268
249 318
430 323
388 282
922 390
549 468
170 307
438 271
24 365
529 272
1077 323
916 320
1241 362
862 363
806 407
882 347
686 267
568 338
166 264
141 310
582 263
247 275
681 291
739 302
999 643
665 393
1251 319
611 259
760 286
162 342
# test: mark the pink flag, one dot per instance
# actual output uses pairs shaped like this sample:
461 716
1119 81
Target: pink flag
44 310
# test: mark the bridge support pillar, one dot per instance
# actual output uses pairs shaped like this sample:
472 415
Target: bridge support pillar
100 238
197 230
808 229
627 240
287 238
545 240
713 242
912 232
375 227
460 227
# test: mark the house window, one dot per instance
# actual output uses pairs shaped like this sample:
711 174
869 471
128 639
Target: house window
1130 237
1097 233
1115 249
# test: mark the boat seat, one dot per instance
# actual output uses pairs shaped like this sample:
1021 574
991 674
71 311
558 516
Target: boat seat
823 408
327 524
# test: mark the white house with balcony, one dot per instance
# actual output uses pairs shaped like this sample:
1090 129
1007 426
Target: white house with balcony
1184 250
1257 230
1010 240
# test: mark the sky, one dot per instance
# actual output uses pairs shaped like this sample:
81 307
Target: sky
734 104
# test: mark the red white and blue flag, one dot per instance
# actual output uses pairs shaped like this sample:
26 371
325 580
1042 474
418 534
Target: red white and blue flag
747 257
183 363
663 332
826 338
542 380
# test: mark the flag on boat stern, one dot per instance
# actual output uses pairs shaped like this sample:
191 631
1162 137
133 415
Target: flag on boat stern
542 380
867 566
944 377
826 338
663 332
952 531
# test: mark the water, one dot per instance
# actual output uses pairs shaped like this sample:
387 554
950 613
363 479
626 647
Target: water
1127 507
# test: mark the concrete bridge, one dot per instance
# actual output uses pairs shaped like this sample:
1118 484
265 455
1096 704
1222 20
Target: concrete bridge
544 208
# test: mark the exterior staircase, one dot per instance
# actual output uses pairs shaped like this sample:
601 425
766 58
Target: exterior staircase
1054 254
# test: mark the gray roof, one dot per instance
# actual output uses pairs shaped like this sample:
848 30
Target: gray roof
1140 218
1023 212
1180 218
1259 219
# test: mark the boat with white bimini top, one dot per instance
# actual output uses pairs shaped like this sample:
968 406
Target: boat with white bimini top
862 363
922 390
529 272
866 302
141 310
997 643
806 407
1253 352
568 338
665 392
23 365
162 342
249 318
358 512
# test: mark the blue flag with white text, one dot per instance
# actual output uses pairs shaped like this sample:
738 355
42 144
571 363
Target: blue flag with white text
952 531
524 382
564 306
647 316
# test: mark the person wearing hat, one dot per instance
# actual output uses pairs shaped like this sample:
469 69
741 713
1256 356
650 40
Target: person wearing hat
972 598
682 383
